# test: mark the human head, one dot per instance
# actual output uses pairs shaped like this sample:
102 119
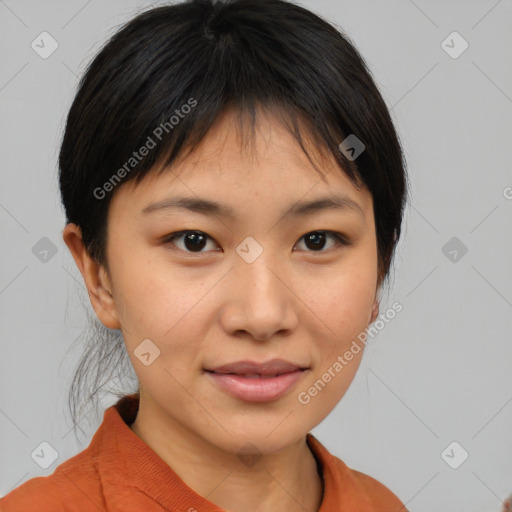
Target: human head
171 72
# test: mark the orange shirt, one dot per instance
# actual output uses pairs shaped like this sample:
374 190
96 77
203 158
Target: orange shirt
119 472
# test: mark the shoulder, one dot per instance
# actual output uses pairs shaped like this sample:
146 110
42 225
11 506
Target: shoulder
72 485
381 497
366 493
39 494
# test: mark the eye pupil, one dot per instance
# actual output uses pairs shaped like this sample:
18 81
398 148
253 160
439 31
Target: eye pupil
194 241
317 239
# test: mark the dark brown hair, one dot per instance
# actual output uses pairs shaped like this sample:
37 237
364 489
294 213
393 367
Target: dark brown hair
166 76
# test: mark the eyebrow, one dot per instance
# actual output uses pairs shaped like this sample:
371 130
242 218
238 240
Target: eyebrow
300 209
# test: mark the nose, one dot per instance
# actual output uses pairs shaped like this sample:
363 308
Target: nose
259 299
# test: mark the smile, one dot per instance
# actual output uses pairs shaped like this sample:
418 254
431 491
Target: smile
254 381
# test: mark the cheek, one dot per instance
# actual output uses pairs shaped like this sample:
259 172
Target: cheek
153 294
352 302
346 304
346 301
167 306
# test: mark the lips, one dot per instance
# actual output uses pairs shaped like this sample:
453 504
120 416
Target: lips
257 382
250 369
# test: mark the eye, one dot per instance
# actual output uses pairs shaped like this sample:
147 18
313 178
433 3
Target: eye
193 241
196 241
316 240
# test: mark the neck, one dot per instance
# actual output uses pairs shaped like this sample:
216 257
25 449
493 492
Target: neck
288 480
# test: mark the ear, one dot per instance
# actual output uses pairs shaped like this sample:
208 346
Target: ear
375 309
95 278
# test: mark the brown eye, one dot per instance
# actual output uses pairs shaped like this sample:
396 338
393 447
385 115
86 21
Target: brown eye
191 241
316 240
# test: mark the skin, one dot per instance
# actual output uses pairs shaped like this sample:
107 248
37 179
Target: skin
295 302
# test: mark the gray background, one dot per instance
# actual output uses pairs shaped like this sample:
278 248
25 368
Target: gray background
437 373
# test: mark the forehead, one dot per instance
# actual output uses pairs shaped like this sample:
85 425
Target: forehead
268 167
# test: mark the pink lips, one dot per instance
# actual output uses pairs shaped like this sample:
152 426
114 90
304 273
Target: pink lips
257 382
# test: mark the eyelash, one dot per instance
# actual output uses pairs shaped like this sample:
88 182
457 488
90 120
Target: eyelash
341 239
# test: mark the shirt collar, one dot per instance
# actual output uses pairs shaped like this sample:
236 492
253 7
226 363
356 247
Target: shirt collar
128 459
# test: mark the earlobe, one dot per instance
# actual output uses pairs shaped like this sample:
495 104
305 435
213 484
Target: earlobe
375 310
94 276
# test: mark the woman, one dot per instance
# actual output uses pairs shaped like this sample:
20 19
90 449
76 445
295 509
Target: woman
234 189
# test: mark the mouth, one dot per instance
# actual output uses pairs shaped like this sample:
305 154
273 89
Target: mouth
257 382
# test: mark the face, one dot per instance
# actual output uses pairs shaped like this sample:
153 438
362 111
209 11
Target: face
257 279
